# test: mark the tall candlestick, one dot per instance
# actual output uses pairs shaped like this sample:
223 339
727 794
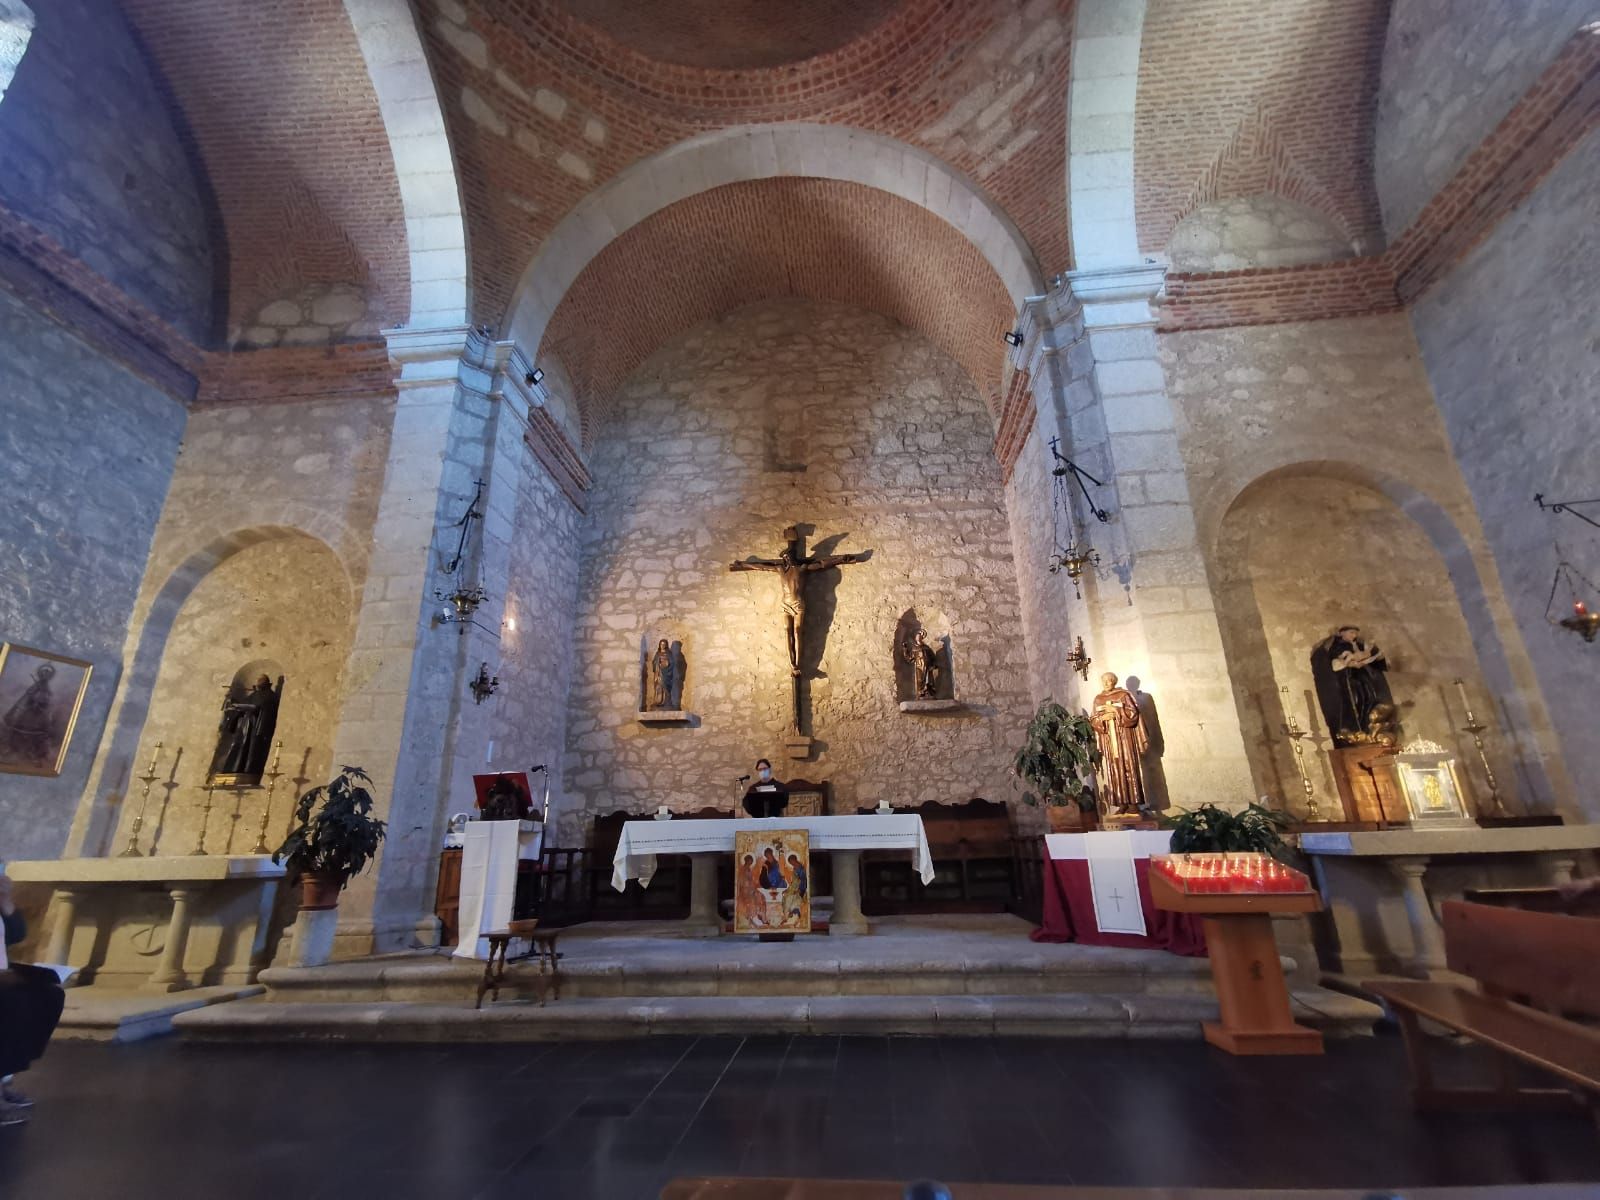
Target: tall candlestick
261 846
205 823
147 779
1477 730
1295 735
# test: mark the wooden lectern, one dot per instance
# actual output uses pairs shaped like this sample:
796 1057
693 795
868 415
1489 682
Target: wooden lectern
1256 1018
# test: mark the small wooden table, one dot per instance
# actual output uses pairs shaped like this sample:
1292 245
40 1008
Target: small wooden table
542 946
1256 1017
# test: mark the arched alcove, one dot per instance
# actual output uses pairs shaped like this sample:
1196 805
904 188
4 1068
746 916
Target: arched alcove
1300 553
16 28
280 606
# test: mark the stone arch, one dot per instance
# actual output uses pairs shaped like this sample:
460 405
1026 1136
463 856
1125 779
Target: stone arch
430 193
16 28
143 654
1499 656
755 152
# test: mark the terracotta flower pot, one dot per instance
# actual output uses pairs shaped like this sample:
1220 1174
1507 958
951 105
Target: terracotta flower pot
319 892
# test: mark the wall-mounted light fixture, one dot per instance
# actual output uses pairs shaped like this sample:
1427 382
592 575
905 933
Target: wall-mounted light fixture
483 685
534 376
1013 338
1079 660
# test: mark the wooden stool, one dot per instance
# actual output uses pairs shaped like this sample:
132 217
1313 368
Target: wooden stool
542 943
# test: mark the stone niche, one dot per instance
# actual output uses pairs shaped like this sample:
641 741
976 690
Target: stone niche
943 698
873 439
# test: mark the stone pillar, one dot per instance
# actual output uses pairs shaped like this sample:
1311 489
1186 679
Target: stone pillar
66 916
1427 936
703 915
169 976
847 915
405 672
1148 612
1561 869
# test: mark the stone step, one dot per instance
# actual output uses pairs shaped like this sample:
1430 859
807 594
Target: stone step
1096 1015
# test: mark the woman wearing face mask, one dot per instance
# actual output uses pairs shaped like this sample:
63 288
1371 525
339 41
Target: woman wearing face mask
766 797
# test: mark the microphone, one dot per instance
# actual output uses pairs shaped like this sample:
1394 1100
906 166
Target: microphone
744 779
536 769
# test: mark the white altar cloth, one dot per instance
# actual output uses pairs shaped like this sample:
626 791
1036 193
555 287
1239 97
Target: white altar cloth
1112 878
489 857
641 841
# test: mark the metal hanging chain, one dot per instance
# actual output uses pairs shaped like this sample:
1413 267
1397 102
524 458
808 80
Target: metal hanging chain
1082 477
472 514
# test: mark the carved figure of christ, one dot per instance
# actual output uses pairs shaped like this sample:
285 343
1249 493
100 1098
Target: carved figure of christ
792 566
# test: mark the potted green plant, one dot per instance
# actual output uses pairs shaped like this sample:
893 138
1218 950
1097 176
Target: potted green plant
334 838
1056 763
1209 829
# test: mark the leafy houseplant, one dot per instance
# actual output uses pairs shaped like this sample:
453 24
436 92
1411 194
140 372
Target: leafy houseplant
1209 829
334 838
1056 763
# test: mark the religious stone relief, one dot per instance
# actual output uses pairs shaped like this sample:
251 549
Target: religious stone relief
249 719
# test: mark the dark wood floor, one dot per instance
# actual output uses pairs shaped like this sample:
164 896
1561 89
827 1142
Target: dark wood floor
614 1120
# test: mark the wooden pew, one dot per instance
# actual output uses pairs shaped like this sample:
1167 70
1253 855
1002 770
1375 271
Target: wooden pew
972 861
1537 977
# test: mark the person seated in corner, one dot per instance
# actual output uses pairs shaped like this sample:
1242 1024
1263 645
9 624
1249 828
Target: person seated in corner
766 796
31 1000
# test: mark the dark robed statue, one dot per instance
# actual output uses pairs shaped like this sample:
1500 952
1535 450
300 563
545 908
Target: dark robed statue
663 678
924 660
1352 686
248 722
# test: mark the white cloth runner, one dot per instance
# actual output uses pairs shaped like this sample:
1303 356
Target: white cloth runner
1113 882
489 857
641 841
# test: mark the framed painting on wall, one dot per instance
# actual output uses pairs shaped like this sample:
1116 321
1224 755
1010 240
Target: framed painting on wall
772 881
40 695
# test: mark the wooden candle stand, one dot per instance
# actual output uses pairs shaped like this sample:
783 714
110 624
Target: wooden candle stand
1256 1018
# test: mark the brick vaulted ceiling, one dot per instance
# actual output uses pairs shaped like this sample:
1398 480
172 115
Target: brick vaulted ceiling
278 101
1244 96
742 242
544 104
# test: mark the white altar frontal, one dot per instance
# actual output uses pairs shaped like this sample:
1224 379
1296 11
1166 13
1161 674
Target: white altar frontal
490 851
843 837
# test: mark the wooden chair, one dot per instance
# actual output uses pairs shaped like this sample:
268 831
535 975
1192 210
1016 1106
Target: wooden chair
1535 972
541 946
808 799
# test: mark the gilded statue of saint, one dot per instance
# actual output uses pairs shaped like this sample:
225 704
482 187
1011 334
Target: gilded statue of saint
1120 732
663 678
924 660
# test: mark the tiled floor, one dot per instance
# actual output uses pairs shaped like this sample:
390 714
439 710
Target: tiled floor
614 1120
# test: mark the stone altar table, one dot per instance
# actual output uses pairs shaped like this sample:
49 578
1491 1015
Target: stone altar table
1382 912
190 882
844 837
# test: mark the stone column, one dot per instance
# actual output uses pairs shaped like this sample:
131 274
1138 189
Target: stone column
169 976
1561 870
703 916
66 917
405 672
1148 612
847 915
1427 936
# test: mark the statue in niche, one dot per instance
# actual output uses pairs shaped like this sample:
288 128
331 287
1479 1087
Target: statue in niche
1120 733
249 719
1352 685
927 669
661 688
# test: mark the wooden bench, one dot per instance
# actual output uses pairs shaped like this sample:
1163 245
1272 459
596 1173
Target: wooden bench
541 946
972 862
1535 972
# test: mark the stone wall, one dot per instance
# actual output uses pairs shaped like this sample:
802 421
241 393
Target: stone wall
93 159
792 411
88 451
1348 400
286 601
528 719
1451 70
248 476
1509 348
1254 231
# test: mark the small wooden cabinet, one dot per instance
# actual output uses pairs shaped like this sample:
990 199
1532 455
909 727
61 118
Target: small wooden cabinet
447 897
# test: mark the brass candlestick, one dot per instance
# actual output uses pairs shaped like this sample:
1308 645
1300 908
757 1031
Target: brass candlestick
147 779
1295 735
261 846
1477 731
205 823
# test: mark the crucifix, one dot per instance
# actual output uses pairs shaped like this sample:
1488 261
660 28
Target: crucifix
792 567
